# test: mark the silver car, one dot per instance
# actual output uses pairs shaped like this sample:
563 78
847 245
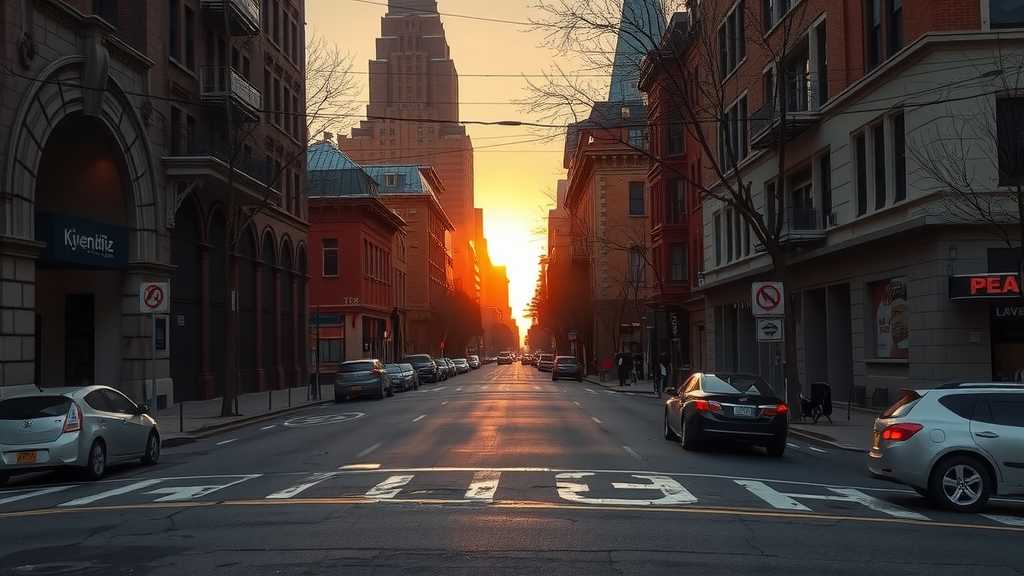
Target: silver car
959 444
86 428
357 378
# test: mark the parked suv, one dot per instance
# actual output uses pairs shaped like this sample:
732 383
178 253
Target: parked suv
426 370
958 444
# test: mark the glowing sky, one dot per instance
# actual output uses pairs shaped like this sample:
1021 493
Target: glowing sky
514 182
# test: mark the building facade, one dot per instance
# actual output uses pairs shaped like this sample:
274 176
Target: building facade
355 271
874 225
124 164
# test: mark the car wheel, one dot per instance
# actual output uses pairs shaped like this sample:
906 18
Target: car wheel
152 456
690 435
669 434
777 447
391 391
380 392
96 466
960 483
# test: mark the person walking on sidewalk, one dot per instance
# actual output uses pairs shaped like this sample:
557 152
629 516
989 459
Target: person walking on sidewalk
661 378
623 368
638 368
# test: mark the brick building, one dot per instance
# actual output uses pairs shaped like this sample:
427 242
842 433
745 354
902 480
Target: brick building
116 172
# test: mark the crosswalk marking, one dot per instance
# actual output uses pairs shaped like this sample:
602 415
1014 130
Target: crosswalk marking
110 493
484 485
32 494
293 491
771 496
389 488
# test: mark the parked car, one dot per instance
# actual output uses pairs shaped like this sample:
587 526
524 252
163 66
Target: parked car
361 377
474 362
959 444
403 377
450 367
426 370
529 360
737 407
504 358
442 370
461 365
546 362
86 428
566 367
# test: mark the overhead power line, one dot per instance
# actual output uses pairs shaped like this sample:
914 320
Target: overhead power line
448 14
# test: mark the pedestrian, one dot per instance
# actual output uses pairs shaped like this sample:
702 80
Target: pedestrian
638 367
623 369
662 376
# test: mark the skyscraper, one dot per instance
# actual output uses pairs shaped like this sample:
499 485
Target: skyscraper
413 117
640 30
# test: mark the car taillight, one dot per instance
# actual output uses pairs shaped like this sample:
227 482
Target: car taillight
707 406
901 432
73 422
777 410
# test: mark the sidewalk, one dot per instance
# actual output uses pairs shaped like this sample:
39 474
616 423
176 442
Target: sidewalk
189 421
852 434
641 387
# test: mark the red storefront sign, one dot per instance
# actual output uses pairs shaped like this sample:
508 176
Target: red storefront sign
984 287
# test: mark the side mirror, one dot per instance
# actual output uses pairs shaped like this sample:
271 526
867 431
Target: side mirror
143 409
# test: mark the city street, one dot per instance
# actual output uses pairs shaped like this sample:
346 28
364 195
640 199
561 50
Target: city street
500 471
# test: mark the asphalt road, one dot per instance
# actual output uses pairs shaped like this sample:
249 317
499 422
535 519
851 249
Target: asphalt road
499 471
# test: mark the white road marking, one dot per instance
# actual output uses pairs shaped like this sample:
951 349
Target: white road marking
265 428
360 467
578 405
459 389
184 493
420 417
598 420
111 493
817 449
632 452
389 488
536 387
445 403
791 445
610 392
484 387
484 485
368 450
774 498
300 488
226 442
438 389
672 491
32 494
1008 520
589 390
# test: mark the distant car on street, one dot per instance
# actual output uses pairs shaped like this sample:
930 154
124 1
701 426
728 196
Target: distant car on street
566 367
461 366
357 378
959 444
403 377
505 358
82 428
529 360
474 362
737 407
426 370
452 371
546 362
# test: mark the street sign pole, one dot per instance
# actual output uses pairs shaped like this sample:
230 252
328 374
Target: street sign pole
154 299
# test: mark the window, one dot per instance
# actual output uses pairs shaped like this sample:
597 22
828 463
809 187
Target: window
825 182
677 271
797 79
729 255
801 201
895 40
873 34
768 89
638 138
861 150
1010 137
1002 409
97 400
625 113
899 157
637 201
771 200
277 101
674 136
190 38
119 403
637 270
675 201
878 146
746 240
718 238
390 180
173 29
106 9
277 22
177 131
330 349
821 41
768 14
267 85
1006 14
738 230
733 137
732 41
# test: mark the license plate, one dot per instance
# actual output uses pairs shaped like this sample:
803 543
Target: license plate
27 457
743 411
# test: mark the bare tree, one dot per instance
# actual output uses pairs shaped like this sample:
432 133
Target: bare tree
697 80
332 90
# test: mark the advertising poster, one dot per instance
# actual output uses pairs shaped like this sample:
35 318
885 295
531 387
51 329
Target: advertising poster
892 319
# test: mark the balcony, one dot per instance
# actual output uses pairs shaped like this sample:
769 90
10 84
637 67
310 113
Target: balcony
243 15
766 126
801 226
219 83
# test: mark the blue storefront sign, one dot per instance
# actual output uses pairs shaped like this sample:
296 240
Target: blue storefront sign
72 241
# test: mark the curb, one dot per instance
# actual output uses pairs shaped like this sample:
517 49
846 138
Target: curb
202 433
616 388
825 440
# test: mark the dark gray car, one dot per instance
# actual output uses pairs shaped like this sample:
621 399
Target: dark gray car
358 378
403 377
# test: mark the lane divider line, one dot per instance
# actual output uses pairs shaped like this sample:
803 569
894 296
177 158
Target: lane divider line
226 442
632 452
598 420
445 403
420 417
360 467
265 428
367 451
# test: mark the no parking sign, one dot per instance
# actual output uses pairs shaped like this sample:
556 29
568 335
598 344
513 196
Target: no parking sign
154 297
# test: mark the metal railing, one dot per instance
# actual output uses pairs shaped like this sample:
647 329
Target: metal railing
250 10
225 81
200 140
803 219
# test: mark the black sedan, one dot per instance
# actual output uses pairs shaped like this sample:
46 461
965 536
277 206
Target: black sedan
566 367
426 370
738 407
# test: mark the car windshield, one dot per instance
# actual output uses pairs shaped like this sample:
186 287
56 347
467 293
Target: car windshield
421 359
567 361
32 407
394 369
356 367
735 384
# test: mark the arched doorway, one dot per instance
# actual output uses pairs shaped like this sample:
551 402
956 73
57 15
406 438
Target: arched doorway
287 316
218 300
186 320
83 202
247 360
268 295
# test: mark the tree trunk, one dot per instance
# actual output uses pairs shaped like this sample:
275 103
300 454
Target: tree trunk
791 367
